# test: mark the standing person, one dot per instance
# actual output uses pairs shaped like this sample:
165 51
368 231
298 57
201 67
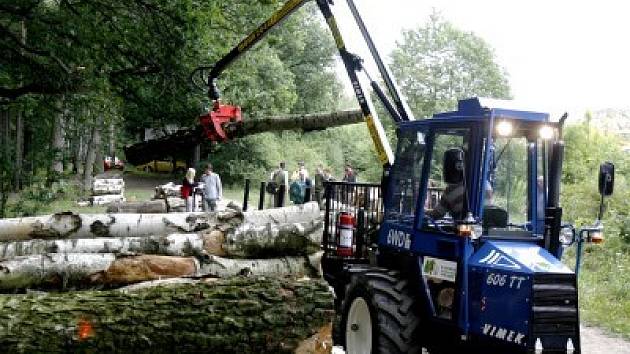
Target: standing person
319 183
301 173
281 179
188 186
349 175
213 190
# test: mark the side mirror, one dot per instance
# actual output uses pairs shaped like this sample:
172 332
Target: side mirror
606 178
453 166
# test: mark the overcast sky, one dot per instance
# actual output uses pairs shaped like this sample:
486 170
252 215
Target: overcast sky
559 54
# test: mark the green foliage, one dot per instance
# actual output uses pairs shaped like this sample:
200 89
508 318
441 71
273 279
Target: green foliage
436 64
33 199
604 275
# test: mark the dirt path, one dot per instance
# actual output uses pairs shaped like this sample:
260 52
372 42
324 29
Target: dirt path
596 341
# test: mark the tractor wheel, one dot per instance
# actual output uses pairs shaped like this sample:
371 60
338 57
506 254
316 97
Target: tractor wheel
379 314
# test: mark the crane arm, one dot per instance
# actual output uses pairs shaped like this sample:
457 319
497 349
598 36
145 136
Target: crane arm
221 116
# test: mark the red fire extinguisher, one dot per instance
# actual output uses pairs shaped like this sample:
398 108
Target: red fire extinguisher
345 234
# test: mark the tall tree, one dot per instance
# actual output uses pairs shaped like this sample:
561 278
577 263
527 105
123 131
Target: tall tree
436 64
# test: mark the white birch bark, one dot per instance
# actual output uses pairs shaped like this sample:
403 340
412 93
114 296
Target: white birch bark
227 267
172 245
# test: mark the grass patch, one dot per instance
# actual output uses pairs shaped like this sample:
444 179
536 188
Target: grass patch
604 284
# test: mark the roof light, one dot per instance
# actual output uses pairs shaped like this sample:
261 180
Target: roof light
546 132
504 128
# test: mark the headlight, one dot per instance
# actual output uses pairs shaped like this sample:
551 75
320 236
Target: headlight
567 236
546 132
504 128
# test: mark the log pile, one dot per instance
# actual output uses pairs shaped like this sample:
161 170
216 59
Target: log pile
107 189
68 250
225 280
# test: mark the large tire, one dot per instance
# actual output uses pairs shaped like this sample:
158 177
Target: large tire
391 322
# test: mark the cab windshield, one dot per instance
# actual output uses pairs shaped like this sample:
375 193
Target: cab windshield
513 191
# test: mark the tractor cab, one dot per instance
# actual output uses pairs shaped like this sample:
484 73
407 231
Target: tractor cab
476 166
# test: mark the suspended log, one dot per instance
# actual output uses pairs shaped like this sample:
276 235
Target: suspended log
172 245
70 270
238 315
148 207
183 141
304 122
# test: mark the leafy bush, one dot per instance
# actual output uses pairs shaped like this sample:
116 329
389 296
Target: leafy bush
38 195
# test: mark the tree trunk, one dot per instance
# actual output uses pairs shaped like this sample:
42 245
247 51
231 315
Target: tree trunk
171 245
227 267
19 150
57 142
239 315
111 148
157 206
69 225
196 156
5 168
87 270
182 142
93 145
304 122
79 152
237 225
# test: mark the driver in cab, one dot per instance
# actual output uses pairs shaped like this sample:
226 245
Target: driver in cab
452 200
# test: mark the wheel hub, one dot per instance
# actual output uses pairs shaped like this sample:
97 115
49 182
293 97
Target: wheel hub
359 328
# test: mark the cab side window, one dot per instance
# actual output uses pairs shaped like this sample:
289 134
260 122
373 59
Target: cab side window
446 189
405 177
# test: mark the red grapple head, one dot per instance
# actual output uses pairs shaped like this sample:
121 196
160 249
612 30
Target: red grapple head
214 122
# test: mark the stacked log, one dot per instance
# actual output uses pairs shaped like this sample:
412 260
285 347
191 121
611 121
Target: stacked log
68 250
231 281
107 190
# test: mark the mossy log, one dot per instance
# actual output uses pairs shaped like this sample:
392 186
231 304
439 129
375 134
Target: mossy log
238 315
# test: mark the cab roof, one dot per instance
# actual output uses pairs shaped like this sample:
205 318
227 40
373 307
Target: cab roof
484 108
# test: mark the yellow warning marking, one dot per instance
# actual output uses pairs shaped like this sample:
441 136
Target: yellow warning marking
378 144
335 32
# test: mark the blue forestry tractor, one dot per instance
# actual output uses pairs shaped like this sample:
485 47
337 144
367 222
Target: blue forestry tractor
458 248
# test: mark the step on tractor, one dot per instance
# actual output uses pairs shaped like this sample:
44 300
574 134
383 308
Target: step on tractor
459 248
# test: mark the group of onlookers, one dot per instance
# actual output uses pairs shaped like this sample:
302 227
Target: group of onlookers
296 187
280 185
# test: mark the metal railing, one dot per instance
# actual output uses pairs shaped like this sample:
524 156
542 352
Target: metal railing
364 201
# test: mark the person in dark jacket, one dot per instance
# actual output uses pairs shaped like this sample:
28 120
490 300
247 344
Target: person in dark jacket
349 175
